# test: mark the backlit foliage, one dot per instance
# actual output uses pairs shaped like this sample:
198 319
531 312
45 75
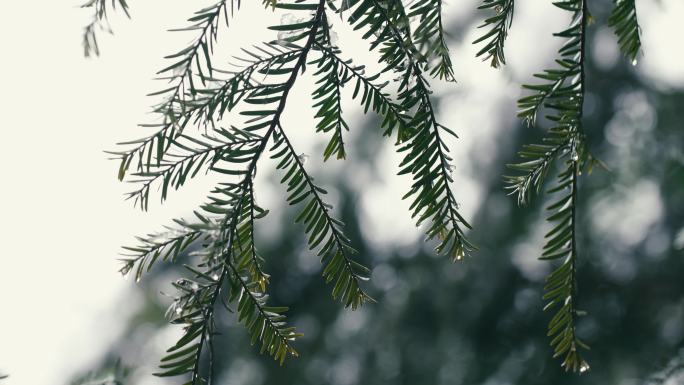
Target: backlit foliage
224 120
560 94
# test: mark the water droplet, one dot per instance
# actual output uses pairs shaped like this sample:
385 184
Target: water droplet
303 158
634 62
584 367
179 310
575 157
195 286
215 277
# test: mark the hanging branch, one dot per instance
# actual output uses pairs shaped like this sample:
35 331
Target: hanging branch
373 97
426 155
430 37
624 21
230 261
323 230
563 94
328 99
210 105
193 60
188 63
495 38
410 42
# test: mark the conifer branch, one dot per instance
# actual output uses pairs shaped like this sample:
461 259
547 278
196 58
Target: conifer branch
564 96
624 21
194 59
243 270
210 105
196 307
328 98
162 247
411 46
194 310
372 94
426 153
191 156
264 323
429 36
246 252
322 228
535 170
495 39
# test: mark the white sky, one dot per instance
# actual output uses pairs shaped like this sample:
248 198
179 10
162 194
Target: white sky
63 213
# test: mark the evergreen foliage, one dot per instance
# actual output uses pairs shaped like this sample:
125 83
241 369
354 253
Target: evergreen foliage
561 93
410 42
624 20
498 25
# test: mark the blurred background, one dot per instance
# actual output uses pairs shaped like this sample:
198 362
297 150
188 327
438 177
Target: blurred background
66 311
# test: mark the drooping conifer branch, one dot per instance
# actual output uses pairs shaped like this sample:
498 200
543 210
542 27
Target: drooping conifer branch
325 232
495 38
411 42
230 261
624 21
209 105
430 37
563 95
426 155
193 60
373 96
328 98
